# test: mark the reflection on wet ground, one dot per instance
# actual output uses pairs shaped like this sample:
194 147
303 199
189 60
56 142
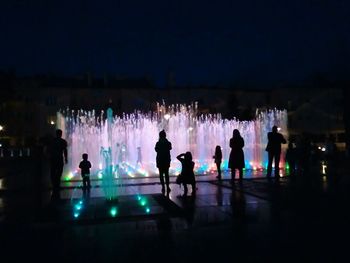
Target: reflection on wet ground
256 219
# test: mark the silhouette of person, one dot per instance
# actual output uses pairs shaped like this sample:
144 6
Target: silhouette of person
330 154
236 160
291 158
275 139
58 151
187 174
304 153
163 147
85 166
217 159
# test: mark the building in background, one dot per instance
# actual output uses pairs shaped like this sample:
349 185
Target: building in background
28 105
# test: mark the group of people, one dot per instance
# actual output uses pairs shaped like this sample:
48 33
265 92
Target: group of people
163 159
236 159
163 147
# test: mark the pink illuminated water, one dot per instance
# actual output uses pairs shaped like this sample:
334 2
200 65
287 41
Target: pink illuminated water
131 139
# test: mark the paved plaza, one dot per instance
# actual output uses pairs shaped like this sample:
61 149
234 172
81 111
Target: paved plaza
303 218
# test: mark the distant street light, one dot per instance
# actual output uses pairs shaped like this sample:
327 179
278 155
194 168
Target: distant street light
52 123
1 127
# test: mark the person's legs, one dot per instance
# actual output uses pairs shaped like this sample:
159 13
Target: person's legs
161 171
59 174
56 172
166 174
185 189
277 163
84 182
88 181
240 170
233 174
269 165
194 189
219 170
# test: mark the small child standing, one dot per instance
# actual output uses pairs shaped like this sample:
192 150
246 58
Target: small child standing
187 174
217 159
85 166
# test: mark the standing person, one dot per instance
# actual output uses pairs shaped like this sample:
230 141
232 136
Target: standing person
187 174
275 139
236 160
85 166
58 156
330 155
217 159
163 147
291 158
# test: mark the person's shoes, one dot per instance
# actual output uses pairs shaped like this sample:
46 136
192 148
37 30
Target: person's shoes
218 177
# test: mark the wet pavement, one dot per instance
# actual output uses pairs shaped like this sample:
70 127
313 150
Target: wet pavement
303 218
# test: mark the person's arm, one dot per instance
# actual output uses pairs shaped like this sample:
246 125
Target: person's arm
89 164
180 157
170 146
242 142
231 143
156 147
283 140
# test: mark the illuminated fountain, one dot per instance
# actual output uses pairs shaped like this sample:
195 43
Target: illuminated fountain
123 146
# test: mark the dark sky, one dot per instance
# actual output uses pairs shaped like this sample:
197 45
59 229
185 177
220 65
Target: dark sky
253 41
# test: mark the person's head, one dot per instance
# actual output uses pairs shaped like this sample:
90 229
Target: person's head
58 133
162 134
188 156
85 156
274 129
217 148
236 133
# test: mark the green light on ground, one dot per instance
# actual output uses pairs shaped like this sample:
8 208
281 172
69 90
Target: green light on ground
148 210
143 202
113 211
76 215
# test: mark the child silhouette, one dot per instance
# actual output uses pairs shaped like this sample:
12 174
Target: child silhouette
85 166
187 174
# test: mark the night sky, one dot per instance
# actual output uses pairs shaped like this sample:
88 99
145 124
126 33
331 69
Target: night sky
250 41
